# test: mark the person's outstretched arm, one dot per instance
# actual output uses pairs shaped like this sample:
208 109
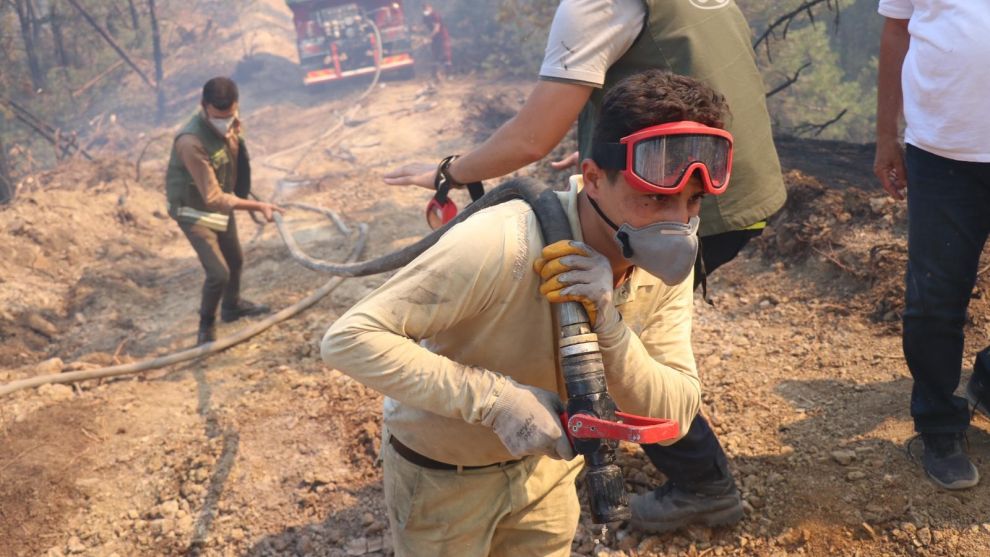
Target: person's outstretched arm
541 123
586 37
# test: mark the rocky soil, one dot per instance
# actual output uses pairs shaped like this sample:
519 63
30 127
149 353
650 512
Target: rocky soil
262 450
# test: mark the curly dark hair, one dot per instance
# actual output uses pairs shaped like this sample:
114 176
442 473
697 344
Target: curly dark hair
654 97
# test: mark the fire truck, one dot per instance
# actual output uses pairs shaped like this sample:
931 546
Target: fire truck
337 39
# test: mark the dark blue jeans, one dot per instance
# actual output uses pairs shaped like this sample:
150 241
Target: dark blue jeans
697 458
948 223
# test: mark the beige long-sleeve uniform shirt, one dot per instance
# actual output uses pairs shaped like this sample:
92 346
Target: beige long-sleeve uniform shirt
440 336
197 161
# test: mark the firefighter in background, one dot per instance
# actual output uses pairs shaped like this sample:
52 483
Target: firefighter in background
439 42
208 163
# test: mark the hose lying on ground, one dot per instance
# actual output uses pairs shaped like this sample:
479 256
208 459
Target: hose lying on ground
250 331
199 351
540 197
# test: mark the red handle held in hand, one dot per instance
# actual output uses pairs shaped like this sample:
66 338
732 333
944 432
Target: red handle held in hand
438 214
631 428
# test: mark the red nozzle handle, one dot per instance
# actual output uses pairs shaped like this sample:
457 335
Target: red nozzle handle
631 428
439 214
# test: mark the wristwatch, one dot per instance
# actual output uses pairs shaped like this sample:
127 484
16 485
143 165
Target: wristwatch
443 171
443 178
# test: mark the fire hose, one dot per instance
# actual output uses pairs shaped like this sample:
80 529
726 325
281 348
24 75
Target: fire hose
256 328
592 421
205 349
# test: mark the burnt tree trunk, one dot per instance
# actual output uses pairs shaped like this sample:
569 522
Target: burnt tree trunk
156 44
57 39
25 16
6 182
113 44
35 24
134 15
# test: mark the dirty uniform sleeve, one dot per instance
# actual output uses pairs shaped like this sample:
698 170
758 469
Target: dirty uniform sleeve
197 162
654 374
377 341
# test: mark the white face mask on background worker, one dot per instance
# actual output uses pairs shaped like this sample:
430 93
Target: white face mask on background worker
223 125
222 120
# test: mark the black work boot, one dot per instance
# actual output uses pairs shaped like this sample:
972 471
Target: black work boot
671 507
242 308
207 330
946 463
978 392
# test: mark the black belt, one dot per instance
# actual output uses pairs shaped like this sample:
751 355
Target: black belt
427 462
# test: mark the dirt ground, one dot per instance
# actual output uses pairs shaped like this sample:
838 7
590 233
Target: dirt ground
262 450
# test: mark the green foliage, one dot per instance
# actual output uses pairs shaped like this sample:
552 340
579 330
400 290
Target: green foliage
842 75
508 37
857 41
821 92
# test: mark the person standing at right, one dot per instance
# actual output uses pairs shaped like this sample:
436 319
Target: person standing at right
932 56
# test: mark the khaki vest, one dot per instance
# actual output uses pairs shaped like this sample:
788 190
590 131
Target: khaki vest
179 185
711 45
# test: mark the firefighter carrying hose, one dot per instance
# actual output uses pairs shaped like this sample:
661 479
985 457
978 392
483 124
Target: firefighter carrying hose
207 166
462 340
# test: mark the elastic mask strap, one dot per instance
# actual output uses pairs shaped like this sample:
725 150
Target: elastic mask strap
627 250
701 276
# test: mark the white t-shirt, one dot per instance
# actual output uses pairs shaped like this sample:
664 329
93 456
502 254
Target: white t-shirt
945 78
588 36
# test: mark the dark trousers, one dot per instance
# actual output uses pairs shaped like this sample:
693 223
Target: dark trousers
222 259
698 458
948 222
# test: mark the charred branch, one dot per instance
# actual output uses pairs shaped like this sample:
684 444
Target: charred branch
65 145
25 16
789 81
98 78
7 189
156 43
819 128
35 23
58 41
135 23
783 23
113 44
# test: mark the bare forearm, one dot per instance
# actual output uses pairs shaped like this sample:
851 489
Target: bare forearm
894 44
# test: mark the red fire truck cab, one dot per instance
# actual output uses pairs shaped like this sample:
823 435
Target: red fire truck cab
336 39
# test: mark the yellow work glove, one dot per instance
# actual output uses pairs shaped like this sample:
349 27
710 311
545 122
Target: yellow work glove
573 272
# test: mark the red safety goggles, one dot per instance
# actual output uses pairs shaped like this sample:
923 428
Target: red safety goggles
661 159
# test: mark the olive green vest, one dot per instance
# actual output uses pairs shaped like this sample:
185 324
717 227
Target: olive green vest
712 45
180 189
